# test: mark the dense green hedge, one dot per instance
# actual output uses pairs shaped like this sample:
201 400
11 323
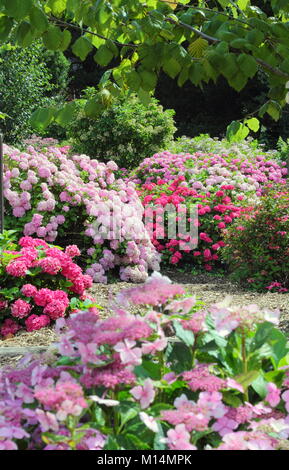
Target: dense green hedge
29 78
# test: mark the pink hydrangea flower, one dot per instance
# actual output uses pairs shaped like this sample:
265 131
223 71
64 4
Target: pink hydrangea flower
273 395
144 394
128 353
20 309
72 251
17 268
35 322
179 439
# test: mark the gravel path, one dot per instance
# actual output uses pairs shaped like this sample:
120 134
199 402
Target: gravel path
209 288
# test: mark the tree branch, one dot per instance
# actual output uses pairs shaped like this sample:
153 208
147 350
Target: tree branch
214 40
59 22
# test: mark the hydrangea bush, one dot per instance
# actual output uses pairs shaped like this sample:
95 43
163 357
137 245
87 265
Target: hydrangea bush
121 383
38 282
257 252
54 196
206 171
222 187
213 212
247 148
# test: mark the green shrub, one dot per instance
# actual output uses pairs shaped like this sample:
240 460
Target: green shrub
257 248
127 132
29 78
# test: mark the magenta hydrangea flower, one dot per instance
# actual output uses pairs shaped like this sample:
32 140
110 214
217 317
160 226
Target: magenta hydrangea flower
20 309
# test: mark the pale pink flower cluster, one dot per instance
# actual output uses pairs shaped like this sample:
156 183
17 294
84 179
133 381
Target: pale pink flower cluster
66 398
50 189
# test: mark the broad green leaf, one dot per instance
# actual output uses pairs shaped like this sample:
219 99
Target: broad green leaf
197 48
57 6
179 356
159 438
243 4
253 124
42 117
172 67
5 27
82 47
66 114
260 386
148 369
24 34
38 19
247 64
247 378
17 9
186 336
196 74
103 56
93 108
148 79
66 40
133 80
236 132
273 108
52 38
144 96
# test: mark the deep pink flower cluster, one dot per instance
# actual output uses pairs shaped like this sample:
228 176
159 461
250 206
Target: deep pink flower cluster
40 306
213 213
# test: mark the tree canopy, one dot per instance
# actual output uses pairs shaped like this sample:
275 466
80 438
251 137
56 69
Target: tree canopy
188 40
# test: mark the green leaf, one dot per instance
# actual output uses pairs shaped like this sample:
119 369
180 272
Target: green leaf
148 79
93 108
186 336
24 34
5 27
247 64
180 357
253 124
148 369
158 440
52 38
133 80
196 74
112 444
236 132
247 378
128 411
57 6
66 40
260 386
82 47
231 399
38 19
66 114
103 56
230 67
144 96
172 67
42 117
17 9
262 335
